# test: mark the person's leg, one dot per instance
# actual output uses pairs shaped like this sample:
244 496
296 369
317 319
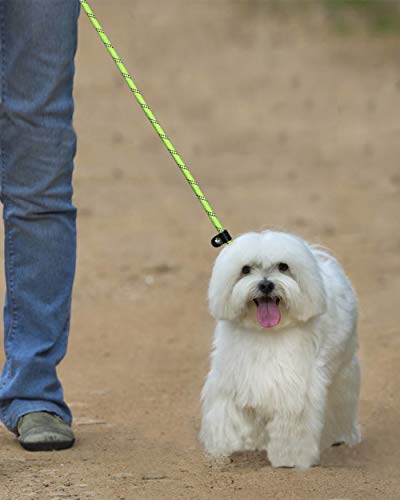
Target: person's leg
37 145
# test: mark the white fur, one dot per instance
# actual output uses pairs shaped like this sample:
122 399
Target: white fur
291 390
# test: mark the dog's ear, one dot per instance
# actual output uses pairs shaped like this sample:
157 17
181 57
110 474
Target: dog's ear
314 295
222 281
315 303
218 305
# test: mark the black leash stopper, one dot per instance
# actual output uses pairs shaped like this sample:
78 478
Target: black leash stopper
221 238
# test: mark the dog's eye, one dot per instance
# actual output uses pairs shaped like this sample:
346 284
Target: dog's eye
246 270
283 267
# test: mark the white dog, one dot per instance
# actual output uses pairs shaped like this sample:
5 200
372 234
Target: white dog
284 375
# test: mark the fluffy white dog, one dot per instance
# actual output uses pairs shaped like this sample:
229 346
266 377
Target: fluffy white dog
285 374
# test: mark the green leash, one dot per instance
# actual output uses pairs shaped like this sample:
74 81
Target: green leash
223 236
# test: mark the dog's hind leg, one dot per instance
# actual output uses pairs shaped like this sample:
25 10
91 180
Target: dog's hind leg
341 424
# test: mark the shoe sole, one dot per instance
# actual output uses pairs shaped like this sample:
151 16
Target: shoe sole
47 445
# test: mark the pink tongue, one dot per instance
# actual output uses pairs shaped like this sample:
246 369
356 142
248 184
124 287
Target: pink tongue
268 314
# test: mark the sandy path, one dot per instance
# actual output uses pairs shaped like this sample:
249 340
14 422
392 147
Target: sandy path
286 125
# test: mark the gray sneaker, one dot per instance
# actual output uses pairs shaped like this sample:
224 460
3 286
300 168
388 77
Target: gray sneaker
42 431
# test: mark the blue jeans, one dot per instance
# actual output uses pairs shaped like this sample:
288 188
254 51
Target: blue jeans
38 41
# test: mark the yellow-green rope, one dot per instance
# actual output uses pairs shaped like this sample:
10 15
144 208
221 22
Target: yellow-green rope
223 236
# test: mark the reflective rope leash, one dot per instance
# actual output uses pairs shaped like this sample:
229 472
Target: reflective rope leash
223 236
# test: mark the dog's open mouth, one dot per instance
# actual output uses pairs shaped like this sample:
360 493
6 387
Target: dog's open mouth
268 313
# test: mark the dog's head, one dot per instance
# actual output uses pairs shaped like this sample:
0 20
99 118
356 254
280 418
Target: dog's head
266 279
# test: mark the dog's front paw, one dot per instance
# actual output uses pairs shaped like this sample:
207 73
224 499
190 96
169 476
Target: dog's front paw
301 459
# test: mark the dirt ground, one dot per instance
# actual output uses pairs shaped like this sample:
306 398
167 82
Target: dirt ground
286 124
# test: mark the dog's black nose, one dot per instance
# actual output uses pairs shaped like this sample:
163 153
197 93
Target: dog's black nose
266 287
